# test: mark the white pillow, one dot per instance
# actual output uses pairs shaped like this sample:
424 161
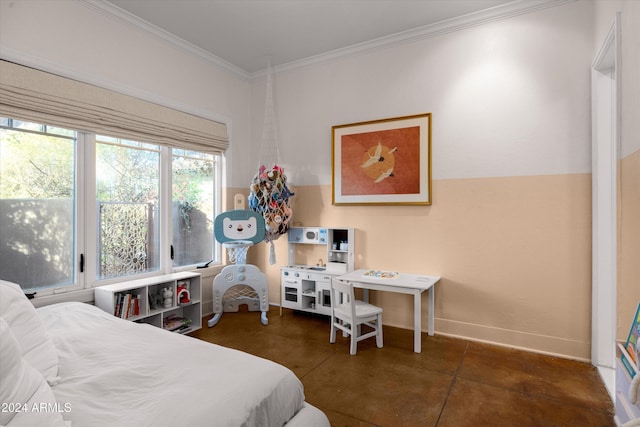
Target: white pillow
28 329
26 397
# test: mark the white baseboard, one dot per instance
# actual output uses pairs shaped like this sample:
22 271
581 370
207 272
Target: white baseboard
543 344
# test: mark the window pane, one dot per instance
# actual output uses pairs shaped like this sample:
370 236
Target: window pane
37 206
193 177
127 192
36 127
60 131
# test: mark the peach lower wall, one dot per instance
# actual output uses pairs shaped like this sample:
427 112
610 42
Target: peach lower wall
514 254
629 242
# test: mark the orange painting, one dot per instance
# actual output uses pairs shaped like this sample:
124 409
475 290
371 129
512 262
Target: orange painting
385 161
381 162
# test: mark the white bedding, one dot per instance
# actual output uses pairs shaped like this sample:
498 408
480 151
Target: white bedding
113 372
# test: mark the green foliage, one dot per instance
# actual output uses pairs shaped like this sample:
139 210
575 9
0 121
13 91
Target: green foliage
126 175
192 188
189 175
34 166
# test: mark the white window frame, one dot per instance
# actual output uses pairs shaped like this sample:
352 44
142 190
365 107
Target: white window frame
218 170
86 223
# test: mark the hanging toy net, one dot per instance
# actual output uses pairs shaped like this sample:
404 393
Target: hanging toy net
269 193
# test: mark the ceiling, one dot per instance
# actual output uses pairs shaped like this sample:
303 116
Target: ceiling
248 33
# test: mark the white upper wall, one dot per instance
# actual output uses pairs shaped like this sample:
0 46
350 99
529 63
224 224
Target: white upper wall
508 98
75 40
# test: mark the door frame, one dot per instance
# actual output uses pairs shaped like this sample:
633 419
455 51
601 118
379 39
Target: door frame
605 101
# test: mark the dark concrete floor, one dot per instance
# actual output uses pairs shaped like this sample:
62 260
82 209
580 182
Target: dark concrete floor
452 383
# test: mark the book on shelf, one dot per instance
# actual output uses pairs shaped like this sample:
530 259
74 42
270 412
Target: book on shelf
127 305
136 306
628 365
116 311
632 345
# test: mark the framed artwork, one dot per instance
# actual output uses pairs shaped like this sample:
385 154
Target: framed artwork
382 162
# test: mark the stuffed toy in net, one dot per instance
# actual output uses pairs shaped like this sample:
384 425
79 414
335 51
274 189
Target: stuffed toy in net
269 196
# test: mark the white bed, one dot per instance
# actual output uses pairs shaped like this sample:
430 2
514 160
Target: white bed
105 371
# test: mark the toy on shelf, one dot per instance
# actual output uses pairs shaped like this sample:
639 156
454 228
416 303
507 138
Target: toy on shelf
183 296
167 297
240 283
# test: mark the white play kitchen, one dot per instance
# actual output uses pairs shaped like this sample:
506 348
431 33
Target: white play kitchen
306 285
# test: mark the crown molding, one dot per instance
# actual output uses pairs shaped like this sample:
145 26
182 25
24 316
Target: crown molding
497 13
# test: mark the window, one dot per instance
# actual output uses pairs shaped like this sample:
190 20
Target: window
73 203
127 197
37 204
194 205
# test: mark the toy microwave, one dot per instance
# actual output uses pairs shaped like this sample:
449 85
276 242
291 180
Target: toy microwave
308 235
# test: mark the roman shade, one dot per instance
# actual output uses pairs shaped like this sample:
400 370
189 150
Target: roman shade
33 95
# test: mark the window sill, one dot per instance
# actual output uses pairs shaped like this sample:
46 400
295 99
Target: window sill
87 295
82 295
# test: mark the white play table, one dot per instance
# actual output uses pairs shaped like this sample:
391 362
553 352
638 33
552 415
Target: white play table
403 283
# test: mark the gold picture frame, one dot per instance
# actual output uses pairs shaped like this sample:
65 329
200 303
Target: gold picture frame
382 162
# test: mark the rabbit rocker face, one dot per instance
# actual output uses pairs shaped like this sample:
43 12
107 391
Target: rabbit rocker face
239 229
239 224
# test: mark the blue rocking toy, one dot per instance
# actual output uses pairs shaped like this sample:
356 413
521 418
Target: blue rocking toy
240 283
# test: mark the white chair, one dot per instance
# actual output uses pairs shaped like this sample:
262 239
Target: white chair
348 314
